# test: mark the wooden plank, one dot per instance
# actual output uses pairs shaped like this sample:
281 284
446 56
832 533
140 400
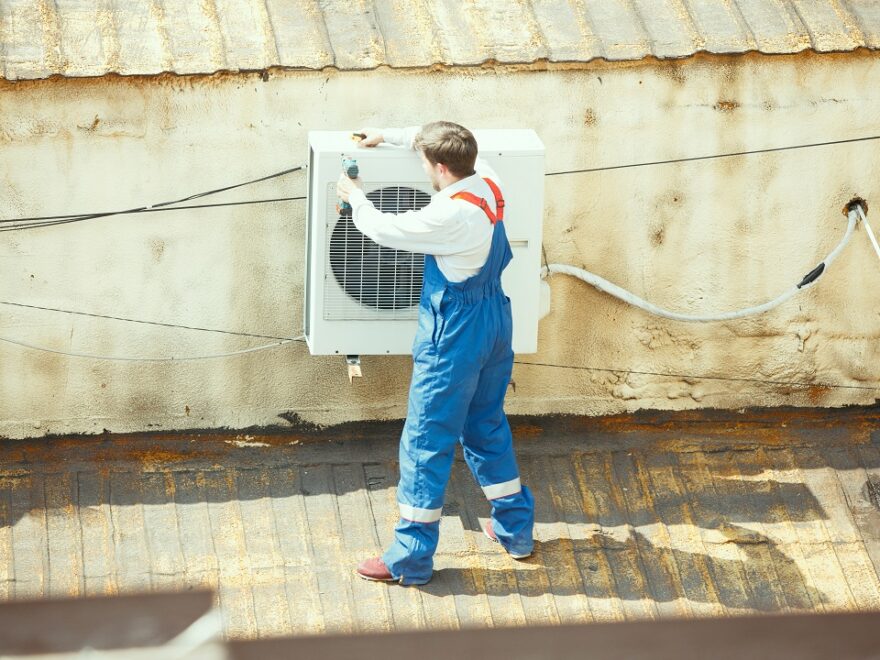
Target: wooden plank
270 604
167 565
539 595
673 507
292 531
824 568
456 561
29 548
371 607
63 540
597 572
869 519
227 532
652 539
779 525
853 478
264 555
820 479
96 534
7 564
578 572
617 538
381 479
130 542
406 605
709 515
744 529
236 601
438 596
334 572
761 507
855 482
492 570
861 578
200 568
496 568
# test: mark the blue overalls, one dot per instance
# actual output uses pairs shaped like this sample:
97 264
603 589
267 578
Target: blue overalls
462 362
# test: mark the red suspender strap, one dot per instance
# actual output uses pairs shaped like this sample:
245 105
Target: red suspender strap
499 200
477 201
483 204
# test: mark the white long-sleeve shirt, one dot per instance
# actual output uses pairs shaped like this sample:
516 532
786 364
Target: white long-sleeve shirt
458 233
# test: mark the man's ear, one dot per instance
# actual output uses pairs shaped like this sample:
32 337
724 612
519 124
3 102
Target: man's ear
442 170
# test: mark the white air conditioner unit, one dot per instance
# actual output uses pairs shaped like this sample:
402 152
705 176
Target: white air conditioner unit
362 299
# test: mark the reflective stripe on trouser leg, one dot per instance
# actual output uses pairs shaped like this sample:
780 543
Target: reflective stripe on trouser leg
503 489
414 514
488 450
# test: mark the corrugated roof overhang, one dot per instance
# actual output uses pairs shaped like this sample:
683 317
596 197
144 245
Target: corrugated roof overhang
75 38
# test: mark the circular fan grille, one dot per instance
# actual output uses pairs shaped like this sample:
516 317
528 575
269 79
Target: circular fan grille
376 276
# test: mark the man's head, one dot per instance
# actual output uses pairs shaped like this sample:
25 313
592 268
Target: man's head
448 152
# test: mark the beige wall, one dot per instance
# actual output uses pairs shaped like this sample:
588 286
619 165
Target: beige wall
701 237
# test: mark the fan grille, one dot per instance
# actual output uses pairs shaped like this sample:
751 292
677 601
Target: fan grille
364 280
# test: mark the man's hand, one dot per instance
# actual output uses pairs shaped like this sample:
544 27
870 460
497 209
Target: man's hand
374 137
345 186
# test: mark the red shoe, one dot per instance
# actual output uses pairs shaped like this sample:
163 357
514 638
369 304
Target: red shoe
374 569
490 533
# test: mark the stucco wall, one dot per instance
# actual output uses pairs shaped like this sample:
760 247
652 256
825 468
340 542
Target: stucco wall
703 236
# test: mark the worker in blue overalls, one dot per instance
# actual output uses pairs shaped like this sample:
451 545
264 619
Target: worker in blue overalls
462 355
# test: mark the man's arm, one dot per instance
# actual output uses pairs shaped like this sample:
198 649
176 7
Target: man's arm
430 230
399 137
417 231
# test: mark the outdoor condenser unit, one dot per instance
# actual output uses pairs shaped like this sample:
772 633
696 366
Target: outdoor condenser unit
362 299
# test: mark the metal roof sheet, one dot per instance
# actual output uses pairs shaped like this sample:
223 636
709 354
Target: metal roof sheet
39 38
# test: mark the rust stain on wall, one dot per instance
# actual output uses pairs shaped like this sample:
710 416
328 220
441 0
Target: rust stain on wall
816 393
726 106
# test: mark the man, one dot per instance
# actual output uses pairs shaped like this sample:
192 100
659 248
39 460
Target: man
462 356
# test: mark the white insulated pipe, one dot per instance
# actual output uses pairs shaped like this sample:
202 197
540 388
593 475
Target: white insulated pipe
627 296
870 233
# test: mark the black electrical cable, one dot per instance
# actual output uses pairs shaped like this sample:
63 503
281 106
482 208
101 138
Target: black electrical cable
154 209
19 224
714 156
232 187
37 222
37 225
210 206
72 218
158 323
691 376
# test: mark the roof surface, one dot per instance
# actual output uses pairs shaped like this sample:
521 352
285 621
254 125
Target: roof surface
657 515
39 38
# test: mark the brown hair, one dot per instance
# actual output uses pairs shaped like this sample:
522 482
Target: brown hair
450 144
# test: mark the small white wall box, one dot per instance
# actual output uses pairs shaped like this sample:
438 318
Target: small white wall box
362 299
